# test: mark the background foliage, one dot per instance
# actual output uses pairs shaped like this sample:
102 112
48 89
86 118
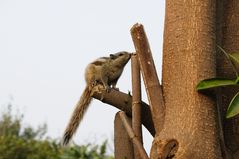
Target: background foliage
19 142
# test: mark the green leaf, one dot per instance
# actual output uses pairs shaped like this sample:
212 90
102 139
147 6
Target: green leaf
234 57
215 82
233 108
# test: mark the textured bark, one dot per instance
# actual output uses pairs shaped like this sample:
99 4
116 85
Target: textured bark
188 57
228 38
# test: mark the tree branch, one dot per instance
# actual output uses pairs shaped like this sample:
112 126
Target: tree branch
123 102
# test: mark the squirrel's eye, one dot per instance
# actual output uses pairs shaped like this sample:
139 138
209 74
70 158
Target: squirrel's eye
121 54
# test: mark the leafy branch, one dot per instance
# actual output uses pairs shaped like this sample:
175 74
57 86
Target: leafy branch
233 108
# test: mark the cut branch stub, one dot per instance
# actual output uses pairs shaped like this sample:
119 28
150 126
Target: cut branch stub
163 149
153 88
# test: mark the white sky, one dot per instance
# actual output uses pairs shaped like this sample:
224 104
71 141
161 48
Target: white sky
45 46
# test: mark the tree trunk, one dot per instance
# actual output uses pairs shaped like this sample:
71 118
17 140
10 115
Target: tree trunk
228 38
188 57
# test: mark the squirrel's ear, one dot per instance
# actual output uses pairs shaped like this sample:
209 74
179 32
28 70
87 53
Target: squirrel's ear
112 56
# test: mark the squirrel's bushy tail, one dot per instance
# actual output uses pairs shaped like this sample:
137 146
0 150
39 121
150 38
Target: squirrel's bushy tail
77 115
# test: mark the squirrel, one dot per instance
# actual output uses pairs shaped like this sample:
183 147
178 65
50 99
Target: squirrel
105 71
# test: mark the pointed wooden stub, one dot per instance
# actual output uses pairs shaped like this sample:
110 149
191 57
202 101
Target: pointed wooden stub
122 142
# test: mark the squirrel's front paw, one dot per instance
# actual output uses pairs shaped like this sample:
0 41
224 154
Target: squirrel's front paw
107 89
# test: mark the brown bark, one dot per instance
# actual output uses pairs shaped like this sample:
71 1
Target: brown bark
188 57
220 110
122 142
228 38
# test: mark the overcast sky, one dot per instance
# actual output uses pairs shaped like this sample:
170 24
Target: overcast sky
45 46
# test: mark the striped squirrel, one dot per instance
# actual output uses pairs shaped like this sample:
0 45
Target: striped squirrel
105 71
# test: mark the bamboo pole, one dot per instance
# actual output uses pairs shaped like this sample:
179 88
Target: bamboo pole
136 102
153 88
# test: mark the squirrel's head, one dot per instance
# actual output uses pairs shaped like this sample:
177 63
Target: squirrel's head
121 57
